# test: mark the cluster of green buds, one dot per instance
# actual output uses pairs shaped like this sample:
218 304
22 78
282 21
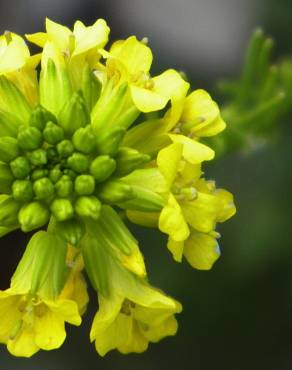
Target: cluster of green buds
254 104
87 140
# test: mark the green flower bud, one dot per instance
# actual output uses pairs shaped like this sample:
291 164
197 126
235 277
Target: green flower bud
114 191
33 215
62 209
91 87
29 138
72 231
38 157
8 149
9 208
6 178
55 174
78 162
88 207
53 134
70 173
84 140
74 115
110 141
64 187
145 201
20 167
40 116
22 190
65 148
129 159
84 184
52 153
43 188
39 173
102 167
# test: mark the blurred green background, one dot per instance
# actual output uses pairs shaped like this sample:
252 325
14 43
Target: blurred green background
239 315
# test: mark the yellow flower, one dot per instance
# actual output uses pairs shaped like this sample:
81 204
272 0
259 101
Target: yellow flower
30 322
130 60
133 315
34 309
18 65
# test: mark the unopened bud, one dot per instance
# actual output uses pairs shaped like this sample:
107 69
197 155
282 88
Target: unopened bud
29 138
43 188
52 153
115 191
22 190
8 148
65 148
55 174
20 167
9 208
40 116
129 159
109 142
6 178
39 173
84 184
84 140
102 167
38 157
53 133
64 187
78 162
71 231
33 215
62 209
88 207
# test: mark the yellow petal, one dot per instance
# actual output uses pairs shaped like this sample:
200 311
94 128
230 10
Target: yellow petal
65 308
202 212
176 248
201 251
23 345
38 38
49 330
168 160
167 328
135 55
10 315
147 100
193 151
14 57
58 34
172 221
227 209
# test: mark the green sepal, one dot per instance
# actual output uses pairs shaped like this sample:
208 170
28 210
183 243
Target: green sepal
126 119
55 87
108 107
96 259
9 149
13 101
129 159
144 200
9 208
33 215
84 140
6 178
109 142
42 269
72 231
40 116
114 191
62 209
88 207
9 124
102 167
29 138
91 87
74 114
22 190
20 167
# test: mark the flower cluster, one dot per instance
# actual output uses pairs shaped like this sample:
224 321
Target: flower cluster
85 137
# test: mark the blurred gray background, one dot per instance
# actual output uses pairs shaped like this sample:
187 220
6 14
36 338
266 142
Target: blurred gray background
239 315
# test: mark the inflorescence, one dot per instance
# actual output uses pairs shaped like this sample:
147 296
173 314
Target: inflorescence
88 137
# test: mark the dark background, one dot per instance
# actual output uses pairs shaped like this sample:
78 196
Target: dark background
239 315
